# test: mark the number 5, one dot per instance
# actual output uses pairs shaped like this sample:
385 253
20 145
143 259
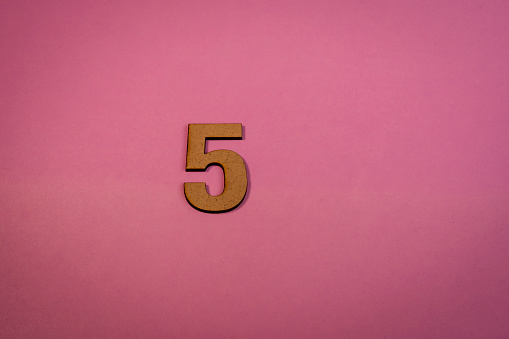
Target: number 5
234 168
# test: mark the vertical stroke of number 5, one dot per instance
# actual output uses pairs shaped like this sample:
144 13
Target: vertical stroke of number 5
234 168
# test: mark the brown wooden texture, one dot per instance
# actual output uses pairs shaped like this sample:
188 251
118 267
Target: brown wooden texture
234 168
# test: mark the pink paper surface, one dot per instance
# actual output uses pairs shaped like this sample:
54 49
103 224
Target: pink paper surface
377 145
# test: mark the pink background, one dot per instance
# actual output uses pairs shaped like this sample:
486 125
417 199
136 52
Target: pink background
377 145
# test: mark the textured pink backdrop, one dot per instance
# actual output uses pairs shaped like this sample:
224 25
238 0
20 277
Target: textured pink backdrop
377 144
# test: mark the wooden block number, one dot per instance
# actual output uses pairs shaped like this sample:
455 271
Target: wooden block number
234 168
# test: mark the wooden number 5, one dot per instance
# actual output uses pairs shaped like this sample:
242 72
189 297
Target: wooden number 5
234 168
